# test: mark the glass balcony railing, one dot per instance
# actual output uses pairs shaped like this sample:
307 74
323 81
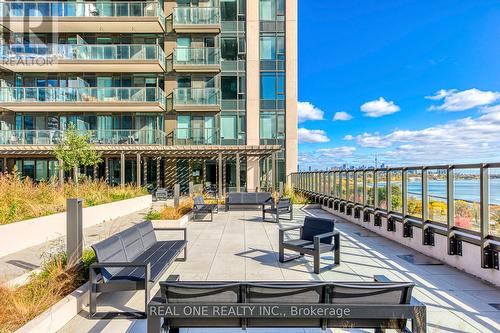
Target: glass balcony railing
197 56
82 9
194 136
80 94
196 16
84 52
102 136
202 137
197 96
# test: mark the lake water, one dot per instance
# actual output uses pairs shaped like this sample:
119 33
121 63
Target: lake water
464 189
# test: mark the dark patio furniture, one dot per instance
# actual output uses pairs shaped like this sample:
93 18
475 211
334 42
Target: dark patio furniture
131 260
248 199
316 237
200 207
284 206
381 305
162 194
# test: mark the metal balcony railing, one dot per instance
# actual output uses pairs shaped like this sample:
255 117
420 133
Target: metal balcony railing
197 56
196 16
83 52
100 136
82 9
197 96
80 94
461 202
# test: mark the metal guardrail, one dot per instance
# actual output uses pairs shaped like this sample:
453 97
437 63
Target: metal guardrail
196 16
461 202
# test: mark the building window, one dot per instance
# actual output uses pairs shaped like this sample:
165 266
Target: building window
229 87
228 9
228 127
229 48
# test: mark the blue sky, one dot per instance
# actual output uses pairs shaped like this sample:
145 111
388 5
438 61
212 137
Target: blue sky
420 79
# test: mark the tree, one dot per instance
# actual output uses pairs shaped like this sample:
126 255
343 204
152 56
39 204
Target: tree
75 150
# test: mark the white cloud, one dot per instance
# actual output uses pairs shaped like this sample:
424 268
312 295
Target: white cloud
471 139
307 111
306 135
379 107
454 100
342 115
337 152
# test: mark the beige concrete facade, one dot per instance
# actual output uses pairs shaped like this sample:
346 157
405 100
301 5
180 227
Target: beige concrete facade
291 87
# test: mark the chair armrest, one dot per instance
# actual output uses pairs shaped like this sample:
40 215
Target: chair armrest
174 229
96 265
327 234
291 228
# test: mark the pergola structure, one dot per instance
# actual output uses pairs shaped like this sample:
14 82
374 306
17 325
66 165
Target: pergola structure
159 152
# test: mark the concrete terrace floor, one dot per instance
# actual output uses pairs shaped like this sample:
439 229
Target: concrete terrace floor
239 246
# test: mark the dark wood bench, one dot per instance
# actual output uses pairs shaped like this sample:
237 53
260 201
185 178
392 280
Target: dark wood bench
200 207
380 304
248 199
282 207
315 238
133 259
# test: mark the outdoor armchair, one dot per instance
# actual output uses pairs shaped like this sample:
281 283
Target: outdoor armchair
316 236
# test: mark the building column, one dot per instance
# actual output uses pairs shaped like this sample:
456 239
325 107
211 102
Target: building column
122 169
219 175
291 137
224 176
204 179
253 173
158 172
145 170
94 171
274 176
106 170
5 168
61 173
252 74
238 185
138 170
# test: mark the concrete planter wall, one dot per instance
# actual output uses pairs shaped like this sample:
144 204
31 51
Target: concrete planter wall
55 317
20 235
469 261
181 222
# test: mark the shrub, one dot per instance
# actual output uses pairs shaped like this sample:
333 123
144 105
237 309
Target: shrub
22 199
171 213
20 304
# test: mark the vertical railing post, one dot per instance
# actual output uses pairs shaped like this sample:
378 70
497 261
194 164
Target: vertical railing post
484 216
452 242
404 193
365 189
388 191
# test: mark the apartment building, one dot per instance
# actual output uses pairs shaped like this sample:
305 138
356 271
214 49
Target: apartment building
201 91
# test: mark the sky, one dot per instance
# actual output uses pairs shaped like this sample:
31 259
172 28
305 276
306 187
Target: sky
398 82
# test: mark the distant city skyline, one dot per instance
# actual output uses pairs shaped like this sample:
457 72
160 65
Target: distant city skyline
406 82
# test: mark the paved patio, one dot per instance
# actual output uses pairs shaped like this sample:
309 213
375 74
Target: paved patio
239 246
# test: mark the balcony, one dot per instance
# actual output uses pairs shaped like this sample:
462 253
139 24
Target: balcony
54 99
196 20
101 137
206 59
88 16
58 58
196 99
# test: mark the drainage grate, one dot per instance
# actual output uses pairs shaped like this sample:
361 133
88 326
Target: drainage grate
419 259
495 305
366 234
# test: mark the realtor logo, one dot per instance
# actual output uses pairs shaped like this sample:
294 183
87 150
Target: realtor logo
23 23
